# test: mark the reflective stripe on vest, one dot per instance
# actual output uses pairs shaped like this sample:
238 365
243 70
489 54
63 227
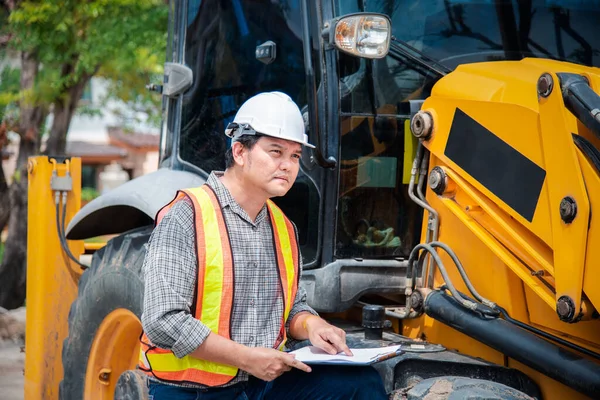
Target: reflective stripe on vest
214 296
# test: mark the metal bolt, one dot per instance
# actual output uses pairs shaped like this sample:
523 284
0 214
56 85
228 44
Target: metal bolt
437 180
421 125
545 85
568 209
565 308
104 376
416 301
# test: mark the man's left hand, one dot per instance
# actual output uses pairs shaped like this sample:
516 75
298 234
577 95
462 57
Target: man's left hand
326 336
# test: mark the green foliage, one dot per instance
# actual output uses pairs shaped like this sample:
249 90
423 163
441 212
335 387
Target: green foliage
88 194
122 40
9 93
96 239
17 176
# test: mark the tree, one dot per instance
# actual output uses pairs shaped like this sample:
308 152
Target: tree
63 44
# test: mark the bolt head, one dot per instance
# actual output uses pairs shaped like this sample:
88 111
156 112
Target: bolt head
421 125
565 308
416 300
437 180
568 209
434 179
545 85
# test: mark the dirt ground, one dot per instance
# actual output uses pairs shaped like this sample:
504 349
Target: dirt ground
12 359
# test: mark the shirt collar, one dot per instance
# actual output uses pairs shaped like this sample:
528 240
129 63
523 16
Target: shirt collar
226 199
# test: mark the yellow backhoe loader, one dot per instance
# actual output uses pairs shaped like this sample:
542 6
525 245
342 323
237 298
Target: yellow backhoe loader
452 204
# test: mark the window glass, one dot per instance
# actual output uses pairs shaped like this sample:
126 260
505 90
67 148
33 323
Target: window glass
465 31
220 48
376 218
375 215
220 45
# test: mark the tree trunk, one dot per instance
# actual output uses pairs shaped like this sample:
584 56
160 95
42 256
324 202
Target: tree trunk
4 198
13 266
64 108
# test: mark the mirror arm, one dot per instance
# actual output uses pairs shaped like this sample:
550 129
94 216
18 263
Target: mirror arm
311 93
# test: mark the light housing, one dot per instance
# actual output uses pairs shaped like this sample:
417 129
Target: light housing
365 35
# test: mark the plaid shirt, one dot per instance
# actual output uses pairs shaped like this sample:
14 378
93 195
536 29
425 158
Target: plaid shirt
170 271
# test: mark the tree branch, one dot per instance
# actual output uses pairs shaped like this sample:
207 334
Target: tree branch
4 39
10 5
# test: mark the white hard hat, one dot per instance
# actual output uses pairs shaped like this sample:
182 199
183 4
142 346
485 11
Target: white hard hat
273 114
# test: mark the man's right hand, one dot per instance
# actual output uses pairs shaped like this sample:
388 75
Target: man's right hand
268 364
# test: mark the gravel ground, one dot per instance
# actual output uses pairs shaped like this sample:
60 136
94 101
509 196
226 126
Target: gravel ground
12 358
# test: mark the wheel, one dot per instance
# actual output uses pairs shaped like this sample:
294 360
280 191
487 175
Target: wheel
132 385
457 387
104 320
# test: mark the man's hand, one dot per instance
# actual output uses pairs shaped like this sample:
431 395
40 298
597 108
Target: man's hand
326 336
268 364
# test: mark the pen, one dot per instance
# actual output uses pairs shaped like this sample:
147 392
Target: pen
388 356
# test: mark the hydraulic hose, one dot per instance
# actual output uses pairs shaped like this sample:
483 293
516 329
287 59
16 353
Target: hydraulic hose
60 226
469 304
463 273
551 360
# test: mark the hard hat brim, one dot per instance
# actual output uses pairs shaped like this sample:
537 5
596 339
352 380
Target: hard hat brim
246 129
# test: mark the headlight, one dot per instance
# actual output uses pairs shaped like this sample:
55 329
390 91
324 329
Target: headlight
363 35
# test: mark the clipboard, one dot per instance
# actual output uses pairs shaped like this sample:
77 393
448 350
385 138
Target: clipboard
312 355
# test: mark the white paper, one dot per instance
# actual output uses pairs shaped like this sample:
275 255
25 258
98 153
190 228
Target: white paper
314 355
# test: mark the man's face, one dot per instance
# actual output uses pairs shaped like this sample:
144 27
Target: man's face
272 165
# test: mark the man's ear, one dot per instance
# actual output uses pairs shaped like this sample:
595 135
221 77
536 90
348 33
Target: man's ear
237 151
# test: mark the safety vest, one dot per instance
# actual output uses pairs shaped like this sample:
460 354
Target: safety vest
215 288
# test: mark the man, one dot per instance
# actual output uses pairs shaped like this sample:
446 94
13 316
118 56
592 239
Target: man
221 279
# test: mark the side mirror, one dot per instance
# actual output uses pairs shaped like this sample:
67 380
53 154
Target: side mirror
365 35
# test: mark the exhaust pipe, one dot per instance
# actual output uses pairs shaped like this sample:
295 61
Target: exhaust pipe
551 360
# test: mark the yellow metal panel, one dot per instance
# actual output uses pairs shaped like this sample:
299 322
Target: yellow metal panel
505 256
493 116
516 238
502 81
583 333
564 178
500 250
487 271
51 279
505 102
591 275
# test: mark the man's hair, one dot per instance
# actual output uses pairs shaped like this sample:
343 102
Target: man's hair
248 141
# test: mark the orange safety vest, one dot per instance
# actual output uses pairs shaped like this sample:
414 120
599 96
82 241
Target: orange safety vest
215 288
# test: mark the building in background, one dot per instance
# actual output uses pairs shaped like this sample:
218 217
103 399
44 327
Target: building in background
101 142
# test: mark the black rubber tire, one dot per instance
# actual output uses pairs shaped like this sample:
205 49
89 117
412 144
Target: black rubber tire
113 281
458 387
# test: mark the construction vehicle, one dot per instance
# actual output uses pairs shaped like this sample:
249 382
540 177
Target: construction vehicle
448 207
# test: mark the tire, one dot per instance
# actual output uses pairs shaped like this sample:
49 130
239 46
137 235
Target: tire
457 387
113 282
